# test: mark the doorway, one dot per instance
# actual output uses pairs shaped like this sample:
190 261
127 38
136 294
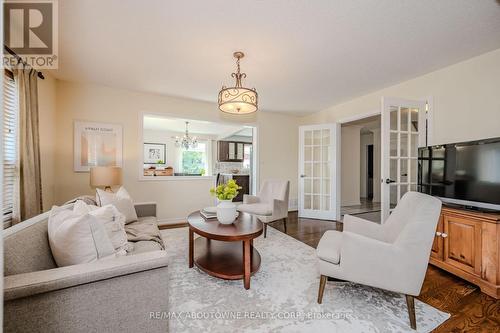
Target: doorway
360 168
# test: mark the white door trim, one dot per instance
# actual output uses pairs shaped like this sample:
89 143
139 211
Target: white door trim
359 116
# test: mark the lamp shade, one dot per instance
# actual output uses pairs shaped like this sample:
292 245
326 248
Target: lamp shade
238 100
105 176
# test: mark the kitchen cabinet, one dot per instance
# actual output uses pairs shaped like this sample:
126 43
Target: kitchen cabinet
231 151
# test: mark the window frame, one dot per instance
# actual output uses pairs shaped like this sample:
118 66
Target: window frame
211 178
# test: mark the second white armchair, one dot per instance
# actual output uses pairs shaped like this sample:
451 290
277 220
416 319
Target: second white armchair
271 204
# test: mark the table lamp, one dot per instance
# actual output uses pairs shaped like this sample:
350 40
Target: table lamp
105 176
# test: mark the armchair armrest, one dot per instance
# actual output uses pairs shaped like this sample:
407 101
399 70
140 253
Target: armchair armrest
363 227
28 284
144 209
280 208
250 199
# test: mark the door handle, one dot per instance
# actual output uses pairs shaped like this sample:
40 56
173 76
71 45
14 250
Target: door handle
302 176
388 181
438 233
444 235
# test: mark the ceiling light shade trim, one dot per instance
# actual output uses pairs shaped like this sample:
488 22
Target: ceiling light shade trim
238 99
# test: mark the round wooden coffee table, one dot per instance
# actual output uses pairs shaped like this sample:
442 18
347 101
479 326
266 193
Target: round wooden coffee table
225 251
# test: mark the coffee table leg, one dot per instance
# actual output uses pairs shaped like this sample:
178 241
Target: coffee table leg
191 249
251 251
246 263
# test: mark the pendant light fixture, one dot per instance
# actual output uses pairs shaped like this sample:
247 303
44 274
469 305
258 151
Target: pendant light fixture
186 141
238 99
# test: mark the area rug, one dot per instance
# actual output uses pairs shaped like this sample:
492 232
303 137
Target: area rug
282 297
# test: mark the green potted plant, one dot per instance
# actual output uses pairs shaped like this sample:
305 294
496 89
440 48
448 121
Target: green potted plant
225 193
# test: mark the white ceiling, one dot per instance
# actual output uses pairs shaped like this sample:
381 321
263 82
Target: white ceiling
195 126
302 56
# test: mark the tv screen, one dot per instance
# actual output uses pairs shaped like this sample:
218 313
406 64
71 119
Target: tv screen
464 173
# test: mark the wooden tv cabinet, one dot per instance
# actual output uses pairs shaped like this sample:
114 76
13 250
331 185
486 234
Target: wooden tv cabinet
467 244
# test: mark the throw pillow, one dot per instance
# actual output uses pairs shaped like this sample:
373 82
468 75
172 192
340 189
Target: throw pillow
121 200
77 239
113 220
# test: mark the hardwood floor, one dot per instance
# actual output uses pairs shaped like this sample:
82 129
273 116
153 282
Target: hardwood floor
471 310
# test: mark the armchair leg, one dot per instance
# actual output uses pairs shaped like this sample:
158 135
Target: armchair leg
265 230
410 302
322 283
284 223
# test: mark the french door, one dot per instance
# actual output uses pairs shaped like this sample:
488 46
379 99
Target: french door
318 167
403 132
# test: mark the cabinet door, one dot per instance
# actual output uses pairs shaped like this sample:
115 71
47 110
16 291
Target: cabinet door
239 151
437 250
462 243
232 150
223 151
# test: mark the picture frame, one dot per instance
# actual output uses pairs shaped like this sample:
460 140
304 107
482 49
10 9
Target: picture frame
97 144
154 152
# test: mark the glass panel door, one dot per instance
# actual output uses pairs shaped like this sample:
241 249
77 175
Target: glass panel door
316 171
403 126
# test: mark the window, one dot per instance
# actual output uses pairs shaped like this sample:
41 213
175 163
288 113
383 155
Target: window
10 153
194 160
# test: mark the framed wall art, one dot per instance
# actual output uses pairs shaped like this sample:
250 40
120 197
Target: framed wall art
97 144
155 153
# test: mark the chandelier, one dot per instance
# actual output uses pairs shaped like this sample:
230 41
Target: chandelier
238 99
186 141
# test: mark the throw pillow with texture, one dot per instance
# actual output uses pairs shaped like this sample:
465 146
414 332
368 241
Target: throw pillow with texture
77 239
113 221
121 200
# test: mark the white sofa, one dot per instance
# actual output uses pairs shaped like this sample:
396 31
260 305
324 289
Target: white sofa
111 295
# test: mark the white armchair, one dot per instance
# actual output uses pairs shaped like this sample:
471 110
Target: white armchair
392 256
271 204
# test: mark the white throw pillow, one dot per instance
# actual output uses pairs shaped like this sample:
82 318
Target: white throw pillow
121 200
77 239
113 221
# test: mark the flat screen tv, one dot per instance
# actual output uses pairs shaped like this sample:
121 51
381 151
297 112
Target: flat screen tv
466 173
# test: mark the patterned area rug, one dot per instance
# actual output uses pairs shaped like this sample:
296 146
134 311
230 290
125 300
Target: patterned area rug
282 297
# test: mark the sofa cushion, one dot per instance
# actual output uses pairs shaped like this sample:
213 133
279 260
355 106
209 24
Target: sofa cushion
77 239
144 246
113 220
144 229
121 200
329 247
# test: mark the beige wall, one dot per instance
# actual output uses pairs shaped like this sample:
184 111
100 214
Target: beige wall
277 135
350 165
47 123
466 103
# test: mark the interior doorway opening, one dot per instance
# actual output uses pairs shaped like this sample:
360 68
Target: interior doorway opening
360 168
